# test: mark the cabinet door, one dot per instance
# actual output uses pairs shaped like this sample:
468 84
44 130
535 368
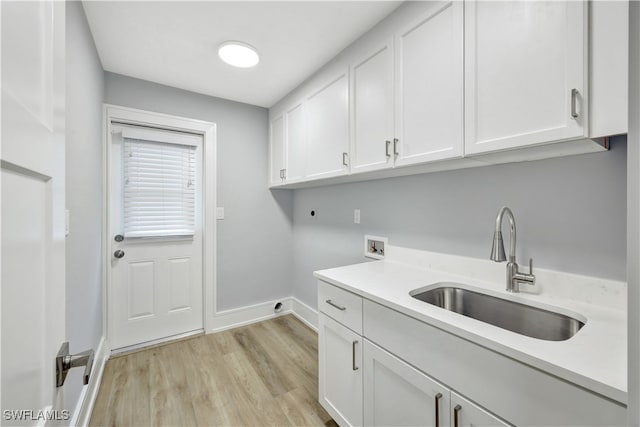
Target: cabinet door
467 414
340 371
399 395
429 87
296 143
523 62
372 95
277 145
327 111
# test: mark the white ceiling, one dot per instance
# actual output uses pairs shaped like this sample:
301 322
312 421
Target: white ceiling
175 43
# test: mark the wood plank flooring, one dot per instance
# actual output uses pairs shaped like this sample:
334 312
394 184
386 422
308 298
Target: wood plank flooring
256 375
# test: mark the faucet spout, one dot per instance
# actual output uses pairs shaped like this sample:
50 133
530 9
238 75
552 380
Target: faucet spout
512 235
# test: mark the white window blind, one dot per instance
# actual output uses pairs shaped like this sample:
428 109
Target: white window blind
159 181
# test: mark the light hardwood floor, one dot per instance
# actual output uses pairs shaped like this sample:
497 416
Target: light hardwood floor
256 375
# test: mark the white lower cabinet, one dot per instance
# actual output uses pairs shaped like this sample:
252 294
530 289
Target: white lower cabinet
378 367
396 394
467 414
340 363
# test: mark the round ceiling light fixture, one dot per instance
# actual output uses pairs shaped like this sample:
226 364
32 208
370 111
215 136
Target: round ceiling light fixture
238 54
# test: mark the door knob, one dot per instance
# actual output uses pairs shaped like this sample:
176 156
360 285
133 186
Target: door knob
118 238
119 253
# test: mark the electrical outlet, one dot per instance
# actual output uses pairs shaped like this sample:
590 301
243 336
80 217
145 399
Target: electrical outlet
356 216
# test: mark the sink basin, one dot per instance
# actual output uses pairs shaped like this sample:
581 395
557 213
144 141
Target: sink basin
520 318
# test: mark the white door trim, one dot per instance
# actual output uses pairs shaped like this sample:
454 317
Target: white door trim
208 132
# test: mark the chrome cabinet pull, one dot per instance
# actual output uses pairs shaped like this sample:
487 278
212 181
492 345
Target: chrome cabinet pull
386 148
574 95
437 403
456 411
353 356
395 146
344 159
332 304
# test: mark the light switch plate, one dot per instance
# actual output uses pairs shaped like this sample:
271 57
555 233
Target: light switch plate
356 216
220 213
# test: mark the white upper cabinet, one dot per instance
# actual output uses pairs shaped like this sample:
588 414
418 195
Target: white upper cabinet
296 143
525 73
276 130
429 82
327 117
372 109
448 84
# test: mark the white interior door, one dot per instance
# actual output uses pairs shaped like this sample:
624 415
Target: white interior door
155 204
33 224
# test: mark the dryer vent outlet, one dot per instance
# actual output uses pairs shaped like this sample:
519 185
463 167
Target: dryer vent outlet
278 307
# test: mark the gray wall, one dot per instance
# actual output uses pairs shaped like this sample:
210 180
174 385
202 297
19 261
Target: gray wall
84 93
254 239
570 215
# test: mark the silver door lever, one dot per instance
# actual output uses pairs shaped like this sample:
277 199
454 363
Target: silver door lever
66 361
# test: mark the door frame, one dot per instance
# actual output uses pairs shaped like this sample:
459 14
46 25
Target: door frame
209 157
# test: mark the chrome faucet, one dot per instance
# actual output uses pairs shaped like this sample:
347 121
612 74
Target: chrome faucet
514 277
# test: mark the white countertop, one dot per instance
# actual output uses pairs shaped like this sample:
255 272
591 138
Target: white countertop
595 358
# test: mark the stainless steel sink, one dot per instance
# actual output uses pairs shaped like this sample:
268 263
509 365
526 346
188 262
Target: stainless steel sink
520 318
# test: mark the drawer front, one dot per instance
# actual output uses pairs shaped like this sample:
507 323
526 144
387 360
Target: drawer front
514 391
341 305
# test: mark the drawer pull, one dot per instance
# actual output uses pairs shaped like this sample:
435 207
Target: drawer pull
353 356
386 150
437 403
456 411
332 304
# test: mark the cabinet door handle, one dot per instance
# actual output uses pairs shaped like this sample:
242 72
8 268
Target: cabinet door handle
437 403
395 146
574 96
284 173
353 355
333 304
456 412
344 159
386 148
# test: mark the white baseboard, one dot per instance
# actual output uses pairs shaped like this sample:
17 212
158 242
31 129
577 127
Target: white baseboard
82 413
242 316
306 314
236 317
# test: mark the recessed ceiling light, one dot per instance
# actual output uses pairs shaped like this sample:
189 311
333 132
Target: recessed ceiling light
238 54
